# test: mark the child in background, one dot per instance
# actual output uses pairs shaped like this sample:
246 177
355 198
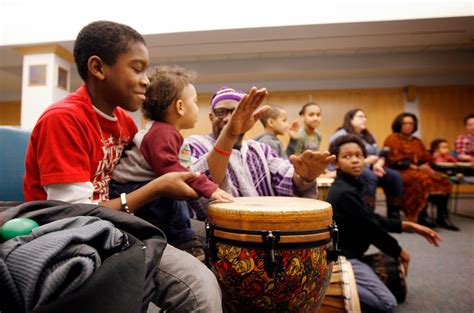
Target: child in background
440 151
359 227
275 123
170 105
465 142
306 138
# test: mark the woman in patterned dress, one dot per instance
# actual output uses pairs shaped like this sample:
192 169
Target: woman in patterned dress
409 156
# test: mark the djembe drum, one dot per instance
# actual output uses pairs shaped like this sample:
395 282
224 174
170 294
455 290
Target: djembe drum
324 183
390 272
342 295
271 254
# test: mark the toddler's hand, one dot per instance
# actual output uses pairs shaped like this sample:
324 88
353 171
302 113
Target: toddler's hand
221 196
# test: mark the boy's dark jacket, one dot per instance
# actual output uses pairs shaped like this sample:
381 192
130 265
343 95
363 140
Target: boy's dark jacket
123 283
359 227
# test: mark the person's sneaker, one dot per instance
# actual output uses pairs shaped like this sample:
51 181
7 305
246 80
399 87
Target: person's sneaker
194 247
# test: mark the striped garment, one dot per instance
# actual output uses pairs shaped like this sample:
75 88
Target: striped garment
465 145
254 170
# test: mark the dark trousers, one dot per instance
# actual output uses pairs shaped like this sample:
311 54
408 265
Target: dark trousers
373 294
391 183
171 216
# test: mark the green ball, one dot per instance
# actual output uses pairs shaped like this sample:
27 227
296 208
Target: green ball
17 227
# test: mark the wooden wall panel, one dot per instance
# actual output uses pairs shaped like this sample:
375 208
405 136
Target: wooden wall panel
10 113
381 106
203 126
442 110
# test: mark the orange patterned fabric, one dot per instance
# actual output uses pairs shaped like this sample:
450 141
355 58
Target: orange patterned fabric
299 286
417 184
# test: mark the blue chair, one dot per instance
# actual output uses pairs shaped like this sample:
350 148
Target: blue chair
13 145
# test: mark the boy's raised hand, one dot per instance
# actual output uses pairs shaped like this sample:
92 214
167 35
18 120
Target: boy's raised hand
246 114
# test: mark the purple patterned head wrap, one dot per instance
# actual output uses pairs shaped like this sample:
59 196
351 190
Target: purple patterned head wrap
226 93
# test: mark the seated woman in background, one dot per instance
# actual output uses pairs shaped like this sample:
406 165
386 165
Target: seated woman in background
375 173
465 142
409 156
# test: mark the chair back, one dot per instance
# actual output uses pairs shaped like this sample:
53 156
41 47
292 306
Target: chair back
13 145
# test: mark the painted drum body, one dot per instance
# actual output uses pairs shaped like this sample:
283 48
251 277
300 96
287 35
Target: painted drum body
271 254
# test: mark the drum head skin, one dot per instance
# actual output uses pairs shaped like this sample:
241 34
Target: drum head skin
271 213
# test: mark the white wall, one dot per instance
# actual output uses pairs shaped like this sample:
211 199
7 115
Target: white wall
34 21
35 99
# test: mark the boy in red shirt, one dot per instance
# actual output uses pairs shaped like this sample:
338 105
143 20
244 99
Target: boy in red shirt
78 141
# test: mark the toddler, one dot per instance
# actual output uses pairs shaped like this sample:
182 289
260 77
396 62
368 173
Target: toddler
440 151
170 105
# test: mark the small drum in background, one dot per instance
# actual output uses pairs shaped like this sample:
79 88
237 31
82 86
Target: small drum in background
390 272
465 168
271 254
324 183
341 295
446 167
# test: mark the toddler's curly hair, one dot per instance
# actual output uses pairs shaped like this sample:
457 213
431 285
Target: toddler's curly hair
166 86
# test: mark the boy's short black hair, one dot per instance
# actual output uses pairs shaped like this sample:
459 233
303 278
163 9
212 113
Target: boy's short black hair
166 86
435 144
398 121
272 113
468 117
104 39
303 108
336 144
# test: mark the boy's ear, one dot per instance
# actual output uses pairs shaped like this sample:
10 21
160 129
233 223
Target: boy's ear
270 122
95 67
179 107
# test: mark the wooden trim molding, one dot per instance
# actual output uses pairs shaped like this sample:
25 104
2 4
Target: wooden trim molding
56 49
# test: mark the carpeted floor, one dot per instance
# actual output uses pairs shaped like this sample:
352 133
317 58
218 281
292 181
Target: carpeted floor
440 279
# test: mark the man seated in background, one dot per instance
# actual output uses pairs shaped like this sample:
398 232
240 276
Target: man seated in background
247 167
465 142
